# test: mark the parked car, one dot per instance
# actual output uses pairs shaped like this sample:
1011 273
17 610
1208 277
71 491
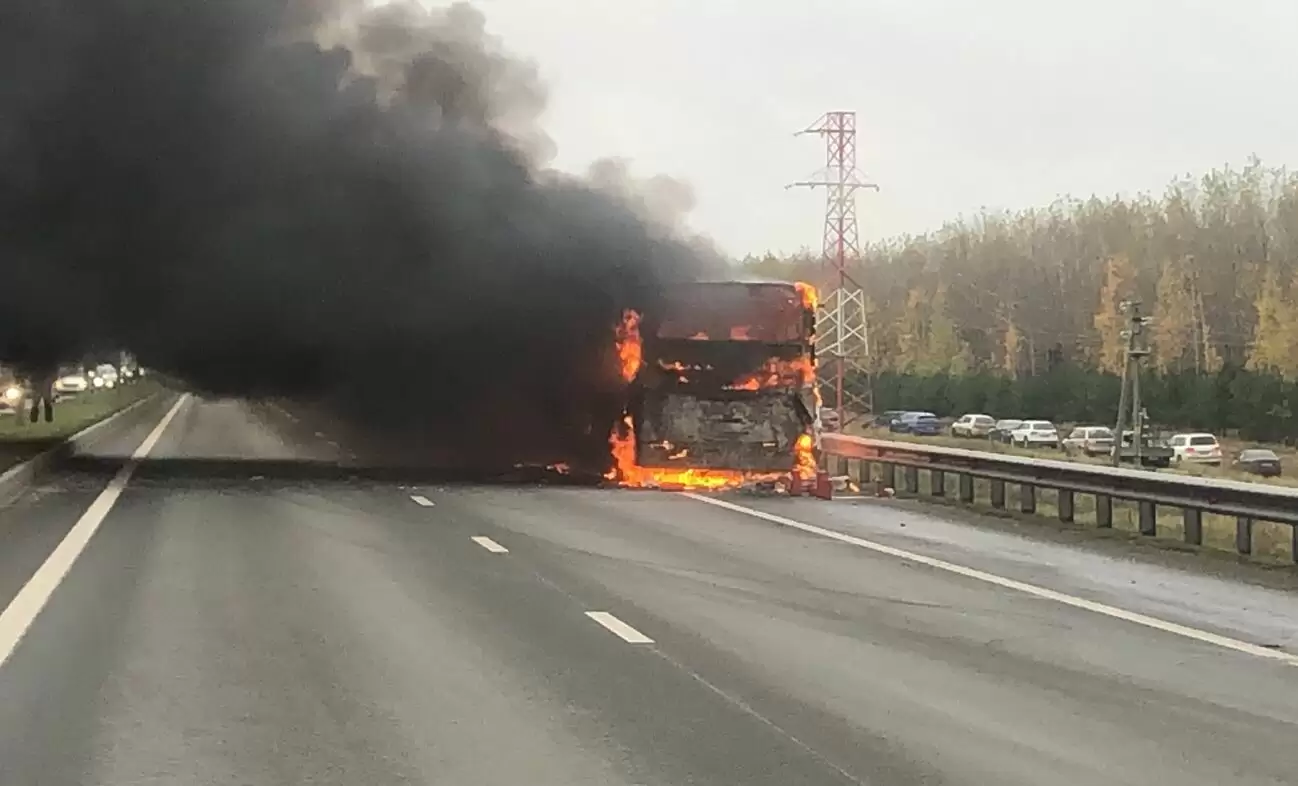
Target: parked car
1089 441
1195 449
1035 434
926 425
886 418
1258 461
1002 430
972 426
905 422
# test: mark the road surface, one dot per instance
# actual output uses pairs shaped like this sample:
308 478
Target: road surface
238 627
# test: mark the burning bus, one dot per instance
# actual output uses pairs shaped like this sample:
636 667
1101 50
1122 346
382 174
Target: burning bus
722 386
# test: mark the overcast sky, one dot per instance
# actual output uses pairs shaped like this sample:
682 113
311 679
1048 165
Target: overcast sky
962 104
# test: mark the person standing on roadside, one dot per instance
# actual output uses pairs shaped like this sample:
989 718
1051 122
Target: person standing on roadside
40 385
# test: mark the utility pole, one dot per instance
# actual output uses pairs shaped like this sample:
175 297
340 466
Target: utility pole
1136 351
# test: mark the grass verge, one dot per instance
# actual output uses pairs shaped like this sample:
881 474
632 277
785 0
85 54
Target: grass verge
21 439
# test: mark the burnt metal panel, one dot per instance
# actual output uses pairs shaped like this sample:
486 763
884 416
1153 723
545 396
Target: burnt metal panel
750 431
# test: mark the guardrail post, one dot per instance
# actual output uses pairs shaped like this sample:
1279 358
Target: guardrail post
967 489
1027 498
1192 518
937 483
856 456
1103 511
1244 535
1066 506
1148 518
854 473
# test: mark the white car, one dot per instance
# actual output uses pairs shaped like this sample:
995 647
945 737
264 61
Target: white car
973 426
1195 449
71 384
1035 434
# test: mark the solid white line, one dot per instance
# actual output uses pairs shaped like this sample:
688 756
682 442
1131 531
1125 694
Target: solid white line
619 628
18 469
27 604
421 500
1029 589
489 544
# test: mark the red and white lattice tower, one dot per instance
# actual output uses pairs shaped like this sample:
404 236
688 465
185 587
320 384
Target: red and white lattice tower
842 335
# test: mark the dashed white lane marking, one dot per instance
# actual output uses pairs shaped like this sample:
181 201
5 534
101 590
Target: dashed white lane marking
17 619
1000 581
421 500
619 628
489 544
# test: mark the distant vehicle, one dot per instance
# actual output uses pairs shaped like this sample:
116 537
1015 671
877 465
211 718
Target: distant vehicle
1035 434
12 396
104 377
1258 461
829 420
1089 441
973 426
1195 449
905 422
926 426
1002 430
885 419
1152 452
71 381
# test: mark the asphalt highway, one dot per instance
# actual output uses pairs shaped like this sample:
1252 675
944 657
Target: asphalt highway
246 627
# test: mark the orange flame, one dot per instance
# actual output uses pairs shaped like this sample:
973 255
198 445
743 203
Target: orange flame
630 348
810 298
626 472
739 333
778 372
805 457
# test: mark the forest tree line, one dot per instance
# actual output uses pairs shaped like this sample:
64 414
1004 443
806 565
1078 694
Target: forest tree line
1214 262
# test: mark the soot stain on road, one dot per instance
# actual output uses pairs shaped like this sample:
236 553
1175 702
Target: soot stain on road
326 201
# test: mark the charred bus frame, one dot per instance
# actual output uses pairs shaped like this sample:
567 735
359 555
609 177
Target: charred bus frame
728 378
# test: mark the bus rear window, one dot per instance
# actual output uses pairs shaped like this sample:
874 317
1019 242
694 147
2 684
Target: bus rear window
738 312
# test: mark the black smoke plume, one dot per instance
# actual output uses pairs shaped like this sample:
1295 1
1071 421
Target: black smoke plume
332 201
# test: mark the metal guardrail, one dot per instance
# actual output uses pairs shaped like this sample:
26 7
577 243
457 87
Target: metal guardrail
1247 502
